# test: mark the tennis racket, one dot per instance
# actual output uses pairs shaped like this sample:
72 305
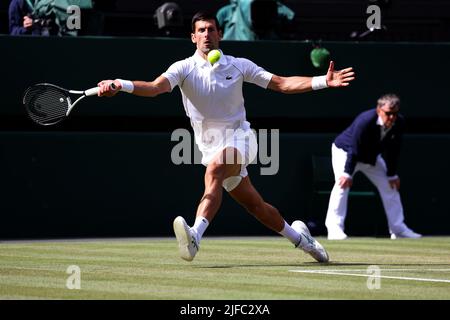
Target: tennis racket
47 104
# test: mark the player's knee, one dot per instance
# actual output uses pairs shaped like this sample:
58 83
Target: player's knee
230 183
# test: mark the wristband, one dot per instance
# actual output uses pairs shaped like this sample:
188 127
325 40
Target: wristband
127 86
318 83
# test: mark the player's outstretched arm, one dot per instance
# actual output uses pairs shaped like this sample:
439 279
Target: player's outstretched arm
139 88
341 78
298 84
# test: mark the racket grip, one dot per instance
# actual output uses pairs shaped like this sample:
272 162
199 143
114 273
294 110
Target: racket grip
94 91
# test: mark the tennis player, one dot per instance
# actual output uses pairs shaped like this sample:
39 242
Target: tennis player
213 100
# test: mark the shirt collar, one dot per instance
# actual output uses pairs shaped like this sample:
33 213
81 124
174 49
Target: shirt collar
200 61
380 122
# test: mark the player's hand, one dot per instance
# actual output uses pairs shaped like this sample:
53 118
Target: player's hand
395 183
341 78
27 22
106 90
345 182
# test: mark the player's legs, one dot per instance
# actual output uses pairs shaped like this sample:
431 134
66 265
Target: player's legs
225 164
246 195
225 170
337 205
216 172
389 196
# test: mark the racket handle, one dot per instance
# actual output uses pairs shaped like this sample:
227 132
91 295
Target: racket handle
94 91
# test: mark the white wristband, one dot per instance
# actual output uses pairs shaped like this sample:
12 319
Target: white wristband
318 83
127 86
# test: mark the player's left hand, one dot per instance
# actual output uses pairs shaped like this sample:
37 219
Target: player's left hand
341 78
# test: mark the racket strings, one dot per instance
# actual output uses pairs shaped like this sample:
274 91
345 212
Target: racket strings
46 104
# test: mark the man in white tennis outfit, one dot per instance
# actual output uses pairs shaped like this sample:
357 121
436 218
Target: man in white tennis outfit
213 100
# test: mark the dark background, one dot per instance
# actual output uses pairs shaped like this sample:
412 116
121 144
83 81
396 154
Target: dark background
342 20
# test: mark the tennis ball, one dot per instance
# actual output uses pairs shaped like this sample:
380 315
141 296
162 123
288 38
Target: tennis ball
213 56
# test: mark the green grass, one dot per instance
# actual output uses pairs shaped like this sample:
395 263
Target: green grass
234 268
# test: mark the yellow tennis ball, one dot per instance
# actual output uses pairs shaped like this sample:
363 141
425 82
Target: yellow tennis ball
213 56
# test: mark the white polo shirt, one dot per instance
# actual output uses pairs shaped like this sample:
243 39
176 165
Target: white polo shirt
215 92
213 100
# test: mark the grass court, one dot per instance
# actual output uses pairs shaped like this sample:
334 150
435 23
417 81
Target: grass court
255 268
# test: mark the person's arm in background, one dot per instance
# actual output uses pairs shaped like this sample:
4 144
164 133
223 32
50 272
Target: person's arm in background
345 181
19 22
392 153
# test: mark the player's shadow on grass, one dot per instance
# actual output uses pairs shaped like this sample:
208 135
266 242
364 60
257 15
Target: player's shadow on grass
315 265
309 264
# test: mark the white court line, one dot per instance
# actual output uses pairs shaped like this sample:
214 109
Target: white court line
365 270
373 276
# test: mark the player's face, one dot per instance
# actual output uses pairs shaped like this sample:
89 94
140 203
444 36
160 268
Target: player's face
388 115
206 36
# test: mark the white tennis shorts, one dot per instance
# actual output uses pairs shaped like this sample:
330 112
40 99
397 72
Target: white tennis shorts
212 137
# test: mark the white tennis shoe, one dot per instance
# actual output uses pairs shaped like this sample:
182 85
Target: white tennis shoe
336 234
308 244
187 239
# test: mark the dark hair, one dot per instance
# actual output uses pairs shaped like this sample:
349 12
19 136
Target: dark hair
203 16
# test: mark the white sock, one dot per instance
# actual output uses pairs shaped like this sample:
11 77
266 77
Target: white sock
200 225
289 233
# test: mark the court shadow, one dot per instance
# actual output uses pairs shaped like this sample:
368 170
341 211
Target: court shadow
241 266
304 264
316 264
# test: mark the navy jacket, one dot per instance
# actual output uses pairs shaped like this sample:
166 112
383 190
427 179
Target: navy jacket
361 141
17 10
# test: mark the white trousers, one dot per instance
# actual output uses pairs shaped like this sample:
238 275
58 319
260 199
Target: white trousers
337 207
